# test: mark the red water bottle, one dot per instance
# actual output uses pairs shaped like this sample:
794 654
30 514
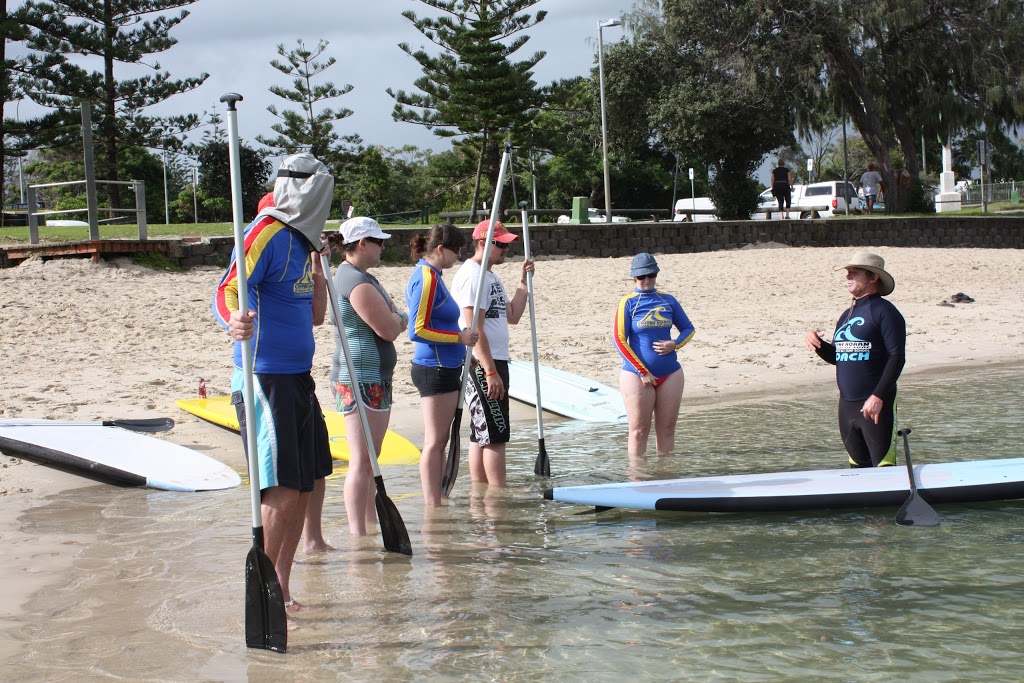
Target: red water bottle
202 388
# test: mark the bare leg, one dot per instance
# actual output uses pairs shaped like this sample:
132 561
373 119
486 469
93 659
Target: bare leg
359 484
477 473
312 529
639 400
283 511
493 457
668 397
438 413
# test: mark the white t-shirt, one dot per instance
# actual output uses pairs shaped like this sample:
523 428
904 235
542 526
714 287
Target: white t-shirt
493 318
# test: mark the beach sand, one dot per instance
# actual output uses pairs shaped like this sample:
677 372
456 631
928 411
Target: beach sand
85 341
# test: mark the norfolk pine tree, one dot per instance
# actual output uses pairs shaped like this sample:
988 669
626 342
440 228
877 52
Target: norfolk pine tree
311 130
19 135
472 88
116 32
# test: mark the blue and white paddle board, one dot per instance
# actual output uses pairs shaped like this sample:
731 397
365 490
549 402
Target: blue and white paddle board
564 393
953 482
116 455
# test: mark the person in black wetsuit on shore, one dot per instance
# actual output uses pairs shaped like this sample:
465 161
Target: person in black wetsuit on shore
782 188
869 351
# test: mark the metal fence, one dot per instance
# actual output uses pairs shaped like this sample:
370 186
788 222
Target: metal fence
994 192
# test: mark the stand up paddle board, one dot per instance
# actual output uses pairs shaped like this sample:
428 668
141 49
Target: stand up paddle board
116 455
954 482
564 393
397 450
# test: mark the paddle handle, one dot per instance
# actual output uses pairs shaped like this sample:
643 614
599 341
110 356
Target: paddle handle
241 277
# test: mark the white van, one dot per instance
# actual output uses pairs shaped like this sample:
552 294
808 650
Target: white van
699 203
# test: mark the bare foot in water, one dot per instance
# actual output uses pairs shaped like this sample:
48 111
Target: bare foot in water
294 606
315 547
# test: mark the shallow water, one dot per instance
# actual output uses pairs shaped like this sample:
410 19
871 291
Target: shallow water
510 587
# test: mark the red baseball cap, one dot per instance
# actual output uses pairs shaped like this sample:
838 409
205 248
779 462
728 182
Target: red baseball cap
266 202
500 233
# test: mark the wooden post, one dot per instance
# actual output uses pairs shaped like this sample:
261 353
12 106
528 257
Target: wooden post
90 172
33 219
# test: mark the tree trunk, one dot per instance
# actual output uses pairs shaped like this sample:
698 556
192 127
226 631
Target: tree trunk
108 127
3 104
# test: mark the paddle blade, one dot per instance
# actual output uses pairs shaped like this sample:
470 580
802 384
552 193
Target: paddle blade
451 465
916 511
150 424
542 466
266 623
392 527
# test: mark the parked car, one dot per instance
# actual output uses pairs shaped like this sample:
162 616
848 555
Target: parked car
700 203
828 195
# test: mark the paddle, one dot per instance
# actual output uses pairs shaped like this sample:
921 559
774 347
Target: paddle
266 622
915 511
542 466
392 528
451 465
145 424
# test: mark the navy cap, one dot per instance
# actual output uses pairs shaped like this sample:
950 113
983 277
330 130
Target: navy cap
643 264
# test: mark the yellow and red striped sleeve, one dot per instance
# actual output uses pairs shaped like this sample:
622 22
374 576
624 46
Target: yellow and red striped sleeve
255 243
621 336
425 310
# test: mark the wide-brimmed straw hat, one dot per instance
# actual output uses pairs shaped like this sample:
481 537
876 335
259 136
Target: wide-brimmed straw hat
873 263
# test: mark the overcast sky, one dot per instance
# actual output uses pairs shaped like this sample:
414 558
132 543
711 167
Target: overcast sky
234 41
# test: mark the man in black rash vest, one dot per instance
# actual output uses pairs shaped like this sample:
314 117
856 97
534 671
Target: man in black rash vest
782 187
869 351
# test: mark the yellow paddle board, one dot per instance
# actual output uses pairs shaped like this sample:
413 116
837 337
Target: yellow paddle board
397 450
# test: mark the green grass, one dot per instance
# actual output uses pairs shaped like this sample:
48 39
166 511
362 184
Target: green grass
56 235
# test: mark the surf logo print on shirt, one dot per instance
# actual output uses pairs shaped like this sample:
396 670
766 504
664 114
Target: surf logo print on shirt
304 285
849 347
654 318
496 307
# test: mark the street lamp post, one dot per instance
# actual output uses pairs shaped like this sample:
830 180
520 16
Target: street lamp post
167 204
195 197
601 25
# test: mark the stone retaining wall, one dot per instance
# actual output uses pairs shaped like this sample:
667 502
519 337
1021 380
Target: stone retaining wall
618 239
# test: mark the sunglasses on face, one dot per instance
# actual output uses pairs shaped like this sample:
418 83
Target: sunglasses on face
499 245
376 240
651 276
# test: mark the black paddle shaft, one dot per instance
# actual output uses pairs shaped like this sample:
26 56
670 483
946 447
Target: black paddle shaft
915 511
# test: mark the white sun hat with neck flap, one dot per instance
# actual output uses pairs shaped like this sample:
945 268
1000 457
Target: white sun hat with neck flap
303 192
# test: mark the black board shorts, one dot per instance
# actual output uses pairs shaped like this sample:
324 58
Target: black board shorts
488 419
292 441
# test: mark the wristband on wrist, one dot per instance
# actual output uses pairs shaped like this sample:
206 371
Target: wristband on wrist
491 373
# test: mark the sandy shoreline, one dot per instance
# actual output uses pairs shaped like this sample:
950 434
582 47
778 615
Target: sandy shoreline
88 341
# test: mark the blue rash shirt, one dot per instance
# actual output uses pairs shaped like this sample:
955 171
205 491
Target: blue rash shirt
642 318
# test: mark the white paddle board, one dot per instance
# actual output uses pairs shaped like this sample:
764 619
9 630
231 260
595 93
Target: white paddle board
954 482
117 455
564 393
